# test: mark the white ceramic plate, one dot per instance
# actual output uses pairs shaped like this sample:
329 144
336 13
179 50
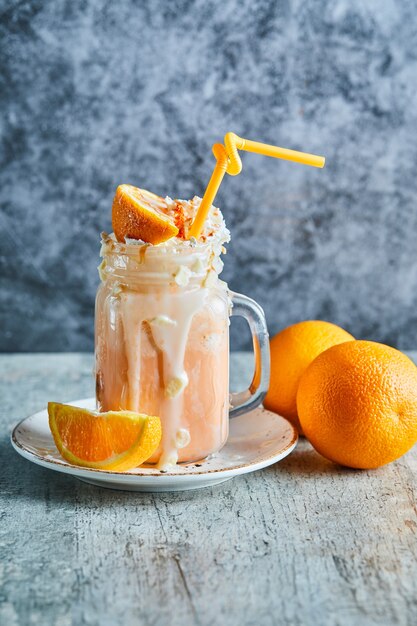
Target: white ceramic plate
256 440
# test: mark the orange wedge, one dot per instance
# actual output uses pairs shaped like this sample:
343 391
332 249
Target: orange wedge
116 441
139 214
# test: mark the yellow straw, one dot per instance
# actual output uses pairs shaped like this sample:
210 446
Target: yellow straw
228 160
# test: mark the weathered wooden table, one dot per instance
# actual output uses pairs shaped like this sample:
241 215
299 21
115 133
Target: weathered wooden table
302 542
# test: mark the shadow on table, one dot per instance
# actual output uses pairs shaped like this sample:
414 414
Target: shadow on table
305 461
25 481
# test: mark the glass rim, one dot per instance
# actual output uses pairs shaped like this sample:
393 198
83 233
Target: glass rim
110 246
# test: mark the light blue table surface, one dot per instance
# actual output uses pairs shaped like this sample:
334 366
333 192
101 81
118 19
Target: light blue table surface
300 543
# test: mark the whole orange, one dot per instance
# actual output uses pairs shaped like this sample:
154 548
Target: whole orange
357 404
292 351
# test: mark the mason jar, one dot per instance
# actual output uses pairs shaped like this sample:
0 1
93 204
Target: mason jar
162 344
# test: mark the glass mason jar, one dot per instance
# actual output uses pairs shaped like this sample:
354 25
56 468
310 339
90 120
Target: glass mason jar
162 344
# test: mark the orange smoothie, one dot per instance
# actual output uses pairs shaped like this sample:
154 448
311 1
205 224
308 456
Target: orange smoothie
162 337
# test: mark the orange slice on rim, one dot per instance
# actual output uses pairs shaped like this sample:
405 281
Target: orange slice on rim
116 441
140 214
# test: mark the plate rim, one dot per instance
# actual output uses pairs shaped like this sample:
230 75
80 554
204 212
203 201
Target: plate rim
107 475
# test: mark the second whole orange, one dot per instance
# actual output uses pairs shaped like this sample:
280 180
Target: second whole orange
292 351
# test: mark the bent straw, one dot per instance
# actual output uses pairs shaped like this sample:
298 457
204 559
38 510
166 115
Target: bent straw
228 160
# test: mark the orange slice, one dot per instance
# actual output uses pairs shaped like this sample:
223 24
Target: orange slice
116 441
139 214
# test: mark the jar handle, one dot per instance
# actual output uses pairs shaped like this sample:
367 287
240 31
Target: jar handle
244 401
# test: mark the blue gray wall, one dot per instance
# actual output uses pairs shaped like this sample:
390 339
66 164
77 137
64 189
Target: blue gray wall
97 93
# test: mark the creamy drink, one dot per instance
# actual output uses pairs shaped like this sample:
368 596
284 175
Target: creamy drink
162 335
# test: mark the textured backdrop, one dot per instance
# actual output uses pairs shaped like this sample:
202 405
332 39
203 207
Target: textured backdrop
96 93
